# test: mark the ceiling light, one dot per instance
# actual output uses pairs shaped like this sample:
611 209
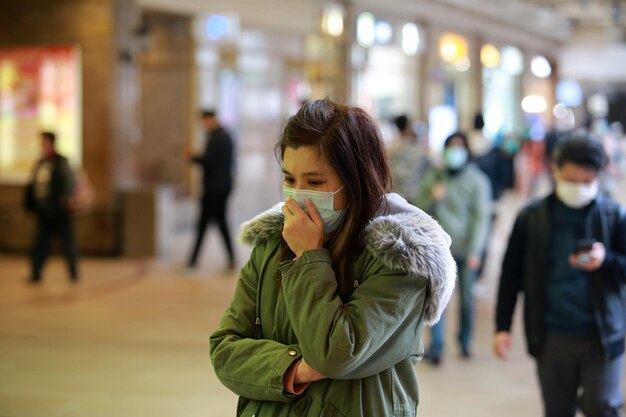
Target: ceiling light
384 32
569 93
489 56
410 38
452 47
512 60
534 104
540 67
366 29
332 20
462 64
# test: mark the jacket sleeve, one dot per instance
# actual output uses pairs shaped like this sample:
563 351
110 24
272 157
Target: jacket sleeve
480 215
205 160
218 147
68 182
375 329
252 368
614 265
511 275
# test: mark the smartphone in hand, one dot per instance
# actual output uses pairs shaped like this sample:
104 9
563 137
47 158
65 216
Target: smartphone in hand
583 246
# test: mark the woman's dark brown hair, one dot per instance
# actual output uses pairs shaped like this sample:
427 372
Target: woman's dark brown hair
350 140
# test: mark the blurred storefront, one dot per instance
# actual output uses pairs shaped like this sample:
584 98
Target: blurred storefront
385 59
133 75
62 69
452 87
256 78
502 88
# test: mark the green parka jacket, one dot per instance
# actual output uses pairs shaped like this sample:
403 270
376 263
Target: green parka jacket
367 347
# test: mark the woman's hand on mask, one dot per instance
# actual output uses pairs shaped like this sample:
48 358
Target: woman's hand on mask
301 230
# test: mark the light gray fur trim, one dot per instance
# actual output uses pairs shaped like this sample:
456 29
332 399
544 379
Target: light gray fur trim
406 240
263 227
416 244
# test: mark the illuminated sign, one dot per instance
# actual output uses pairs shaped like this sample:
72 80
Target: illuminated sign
39 90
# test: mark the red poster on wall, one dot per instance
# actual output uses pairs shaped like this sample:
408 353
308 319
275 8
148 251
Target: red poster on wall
39 90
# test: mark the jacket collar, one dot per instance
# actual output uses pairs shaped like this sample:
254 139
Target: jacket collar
401 236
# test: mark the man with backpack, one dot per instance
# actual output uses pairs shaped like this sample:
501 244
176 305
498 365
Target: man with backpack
567 254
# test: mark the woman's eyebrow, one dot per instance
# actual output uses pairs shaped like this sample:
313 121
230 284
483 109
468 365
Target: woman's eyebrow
307 174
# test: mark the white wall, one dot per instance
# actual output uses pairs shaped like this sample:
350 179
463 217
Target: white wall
600 63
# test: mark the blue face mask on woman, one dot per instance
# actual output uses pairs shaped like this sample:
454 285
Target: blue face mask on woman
455 157
323 202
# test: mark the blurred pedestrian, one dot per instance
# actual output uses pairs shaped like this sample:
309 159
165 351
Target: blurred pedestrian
608 136
487 158
550 140
485 155
217 163
567 254
328 312
407 159
458 196
49 197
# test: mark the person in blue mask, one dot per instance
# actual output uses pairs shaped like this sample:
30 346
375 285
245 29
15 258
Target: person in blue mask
328 312
458 196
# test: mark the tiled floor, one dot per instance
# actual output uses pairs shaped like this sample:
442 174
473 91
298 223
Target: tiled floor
131 339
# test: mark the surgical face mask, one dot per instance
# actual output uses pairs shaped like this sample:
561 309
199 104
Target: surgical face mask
323 202
455 157
576 195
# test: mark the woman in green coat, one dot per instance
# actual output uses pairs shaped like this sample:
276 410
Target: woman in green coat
328 312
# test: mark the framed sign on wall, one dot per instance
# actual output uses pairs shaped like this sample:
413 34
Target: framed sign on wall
40 90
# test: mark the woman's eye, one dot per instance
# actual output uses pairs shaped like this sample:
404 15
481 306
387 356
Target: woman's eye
288 180
315 183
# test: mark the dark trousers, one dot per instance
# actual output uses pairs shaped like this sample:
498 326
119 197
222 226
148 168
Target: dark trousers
574 373
212 208
59 225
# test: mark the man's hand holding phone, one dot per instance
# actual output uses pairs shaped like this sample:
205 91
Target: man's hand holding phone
589 255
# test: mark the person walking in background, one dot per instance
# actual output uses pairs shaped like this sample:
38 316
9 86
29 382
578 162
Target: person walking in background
567 254
49 197
328 312
485 155
217 163
407 159
459 197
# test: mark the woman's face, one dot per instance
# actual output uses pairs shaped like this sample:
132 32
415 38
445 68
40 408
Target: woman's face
304 168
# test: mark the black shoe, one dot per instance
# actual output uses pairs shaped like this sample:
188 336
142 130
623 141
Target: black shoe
465 352
433 358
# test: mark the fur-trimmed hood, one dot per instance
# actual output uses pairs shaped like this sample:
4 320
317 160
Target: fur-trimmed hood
402 237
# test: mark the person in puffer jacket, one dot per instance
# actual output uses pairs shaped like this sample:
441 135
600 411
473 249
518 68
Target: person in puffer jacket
327 316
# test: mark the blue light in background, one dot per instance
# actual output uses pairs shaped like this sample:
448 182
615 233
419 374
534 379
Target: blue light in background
569 93
217 26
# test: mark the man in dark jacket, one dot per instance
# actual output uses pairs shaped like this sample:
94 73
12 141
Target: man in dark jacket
567 254
49 197
217 164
